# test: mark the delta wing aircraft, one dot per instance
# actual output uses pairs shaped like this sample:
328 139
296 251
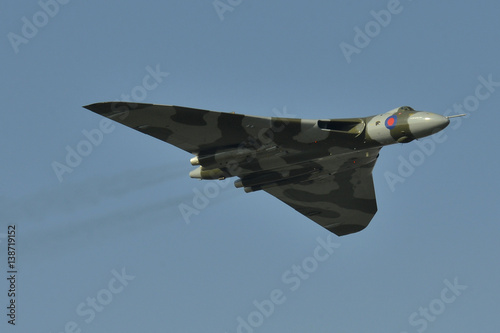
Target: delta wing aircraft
322 168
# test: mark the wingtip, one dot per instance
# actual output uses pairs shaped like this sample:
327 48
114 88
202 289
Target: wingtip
99 108
107 108
89 106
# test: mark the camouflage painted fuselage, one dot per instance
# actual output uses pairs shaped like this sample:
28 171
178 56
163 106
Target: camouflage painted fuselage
322 168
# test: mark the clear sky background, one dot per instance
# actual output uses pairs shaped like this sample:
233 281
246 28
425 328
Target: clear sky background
111 231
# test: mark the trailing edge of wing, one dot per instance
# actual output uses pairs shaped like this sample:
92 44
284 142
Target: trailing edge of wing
343 203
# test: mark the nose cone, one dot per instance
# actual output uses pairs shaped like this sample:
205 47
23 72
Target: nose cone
426 123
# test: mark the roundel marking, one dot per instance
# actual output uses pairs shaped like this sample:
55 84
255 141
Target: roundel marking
390 122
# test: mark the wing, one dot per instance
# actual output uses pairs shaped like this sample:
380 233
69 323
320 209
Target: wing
343 203
192 130
202 131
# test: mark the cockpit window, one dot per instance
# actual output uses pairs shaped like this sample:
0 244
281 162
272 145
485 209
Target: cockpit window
406 108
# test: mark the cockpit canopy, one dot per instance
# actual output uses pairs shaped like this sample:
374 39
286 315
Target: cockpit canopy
406 108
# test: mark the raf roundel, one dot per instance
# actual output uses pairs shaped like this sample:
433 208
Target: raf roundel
390 122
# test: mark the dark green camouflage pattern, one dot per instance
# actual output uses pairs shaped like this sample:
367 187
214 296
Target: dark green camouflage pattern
322 168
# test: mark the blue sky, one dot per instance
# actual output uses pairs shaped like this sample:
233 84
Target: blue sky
103 246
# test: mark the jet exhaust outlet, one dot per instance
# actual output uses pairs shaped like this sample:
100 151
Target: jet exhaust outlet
223 158
204 173
195 161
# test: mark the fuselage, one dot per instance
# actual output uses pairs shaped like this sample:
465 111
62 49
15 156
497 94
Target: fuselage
292 150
